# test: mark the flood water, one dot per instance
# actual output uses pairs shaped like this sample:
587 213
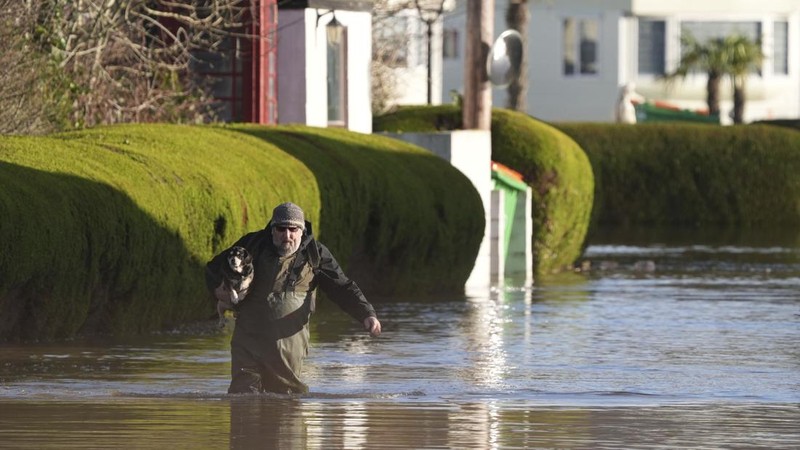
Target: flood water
686 342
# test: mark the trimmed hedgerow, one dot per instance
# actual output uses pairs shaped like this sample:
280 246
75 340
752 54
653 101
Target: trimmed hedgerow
692 175
786 123
552 164
107 230
402 218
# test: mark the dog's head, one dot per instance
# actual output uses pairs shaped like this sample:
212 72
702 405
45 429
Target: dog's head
238 259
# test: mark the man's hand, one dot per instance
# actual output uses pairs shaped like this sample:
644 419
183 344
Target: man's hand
373 325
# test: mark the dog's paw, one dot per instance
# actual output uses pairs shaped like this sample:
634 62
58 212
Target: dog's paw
235 297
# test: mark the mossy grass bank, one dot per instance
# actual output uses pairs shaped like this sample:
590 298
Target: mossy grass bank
107 230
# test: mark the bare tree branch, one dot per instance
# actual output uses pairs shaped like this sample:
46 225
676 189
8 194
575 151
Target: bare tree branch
111 60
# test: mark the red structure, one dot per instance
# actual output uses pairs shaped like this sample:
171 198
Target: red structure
245 75
263 97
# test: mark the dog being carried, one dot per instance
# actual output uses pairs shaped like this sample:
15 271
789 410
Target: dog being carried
237 276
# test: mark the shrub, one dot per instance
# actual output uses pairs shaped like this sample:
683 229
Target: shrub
402 218
107 230
552 164
787 123
562 183
692 175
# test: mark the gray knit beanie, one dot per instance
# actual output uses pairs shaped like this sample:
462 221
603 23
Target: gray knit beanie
288 215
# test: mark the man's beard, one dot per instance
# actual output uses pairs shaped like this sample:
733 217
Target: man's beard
287 248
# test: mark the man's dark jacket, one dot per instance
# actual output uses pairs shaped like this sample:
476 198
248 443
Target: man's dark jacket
329 275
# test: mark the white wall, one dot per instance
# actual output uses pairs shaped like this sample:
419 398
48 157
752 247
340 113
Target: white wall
550 95
316 107
302 68
359 86
768 96
412 81
554 97
469 151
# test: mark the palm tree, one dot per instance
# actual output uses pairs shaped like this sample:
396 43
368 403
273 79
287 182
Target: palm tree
735 56
744 55
709 57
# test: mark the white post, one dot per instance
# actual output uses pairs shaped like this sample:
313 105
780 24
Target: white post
498 237
469 151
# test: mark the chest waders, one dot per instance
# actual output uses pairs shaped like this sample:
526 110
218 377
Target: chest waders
270 338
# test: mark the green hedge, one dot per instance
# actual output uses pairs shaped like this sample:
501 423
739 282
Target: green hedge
692 175
786 123
552 164
107 230
410 222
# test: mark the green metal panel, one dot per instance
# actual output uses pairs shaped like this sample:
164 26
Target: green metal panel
512 187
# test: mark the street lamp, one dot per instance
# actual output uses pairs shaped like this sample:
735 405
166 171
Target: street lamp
429 12
334 30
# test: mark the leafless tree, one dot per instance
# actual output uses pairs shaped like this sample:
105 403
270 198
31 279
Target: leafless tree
129 60
389 51
24 103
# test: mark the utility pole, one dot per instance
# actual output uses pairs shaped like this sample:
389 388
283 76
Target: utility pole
477 114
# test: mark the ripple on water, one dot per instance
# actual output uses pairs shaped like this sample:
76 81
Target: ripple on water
700 351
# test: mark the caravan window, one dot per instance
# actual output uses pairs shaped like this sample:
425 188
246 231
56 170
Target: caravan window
580 46
651 46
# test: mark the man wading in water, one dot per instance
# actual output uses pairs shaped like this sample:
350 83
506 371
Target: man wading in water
270 339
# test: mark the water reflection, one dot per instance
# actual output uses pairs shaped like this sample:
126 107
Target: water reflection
483 327
263 422
700 351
